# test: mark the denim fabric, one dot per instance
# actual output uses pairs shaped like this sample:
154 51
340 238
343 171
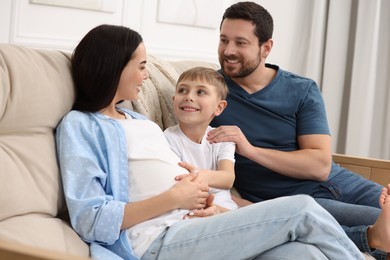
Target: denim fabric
354 202
351 188
298 250
248 232
350 215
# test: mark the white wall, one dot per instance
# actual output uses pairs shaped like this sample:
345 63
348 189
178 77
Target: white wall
54 27
23 22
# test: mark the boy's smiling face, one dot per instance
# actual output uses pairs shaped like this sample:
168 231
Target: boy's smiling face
197 102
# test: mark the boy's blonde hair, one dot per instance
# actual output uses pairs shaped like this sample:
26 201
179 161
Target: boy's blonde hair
210 76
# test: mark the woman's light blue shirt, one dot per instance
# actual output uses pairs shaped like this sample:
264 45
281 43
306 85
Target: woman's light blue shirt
92 154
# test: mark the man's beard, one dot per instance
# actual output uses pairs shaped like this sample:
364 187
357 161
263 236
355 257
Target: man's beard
247 67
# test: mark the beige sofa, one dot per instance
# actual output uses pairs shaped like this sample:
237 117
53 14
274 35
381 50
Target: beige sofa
36 90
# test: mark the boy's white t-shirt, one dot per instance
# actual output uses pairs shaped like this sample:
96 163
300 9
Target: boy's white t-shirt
152 169
204 156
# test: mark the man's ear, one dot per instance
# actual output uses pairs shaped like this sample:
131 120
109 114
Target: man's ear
173 98
267 47
220 107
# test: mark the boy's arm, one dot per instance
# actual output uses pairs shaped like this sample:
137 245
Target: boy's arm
222 178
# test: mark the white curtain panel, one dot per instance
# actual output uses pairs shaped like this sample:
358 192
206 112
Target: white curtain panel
356 76
345 47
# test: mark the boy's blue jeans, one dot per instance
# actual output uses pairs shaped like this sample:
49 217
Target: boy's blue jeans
285 228
354 202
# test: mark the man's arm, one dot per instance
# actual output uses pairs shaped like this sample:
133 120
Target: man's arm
312 161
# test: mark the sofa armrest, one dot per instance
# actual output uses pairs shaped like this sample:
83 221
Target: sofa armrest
14 251
373 169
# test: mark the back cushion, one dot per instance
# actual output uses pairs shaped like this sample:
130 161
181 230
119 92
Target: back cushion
36 90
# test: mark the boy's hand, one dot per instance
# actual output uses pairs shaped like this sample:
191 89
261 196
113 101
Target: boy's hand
182 176
200 176
193 171
189 167
209 210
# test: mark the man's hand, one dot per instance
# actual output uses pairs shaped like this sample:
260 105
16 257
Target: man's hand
228 133
312 161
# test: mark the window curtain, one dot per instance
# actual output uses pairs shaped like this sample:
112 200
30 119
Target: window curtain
357 77
345 47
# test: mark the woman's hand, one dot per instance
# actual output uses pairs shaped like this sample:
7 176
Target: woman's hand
189 194
210 210
206 212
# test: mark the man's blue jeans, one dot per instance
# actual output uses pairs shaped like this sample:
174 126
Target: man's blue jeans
354 202
292 227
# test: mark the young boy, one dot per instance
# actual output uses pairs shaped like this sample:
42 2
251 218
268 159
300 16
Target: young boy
199 97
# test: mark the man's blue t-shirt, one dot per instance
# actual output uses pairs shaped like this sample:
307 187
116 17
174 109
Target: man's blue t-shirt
273 118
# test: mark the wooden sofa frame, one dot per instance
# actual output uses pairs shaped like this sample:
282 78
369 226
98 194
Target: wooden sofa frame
370 168
373 169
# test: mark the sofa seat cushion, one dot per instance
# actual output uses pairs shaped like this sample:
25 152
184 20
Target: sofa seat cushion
43 231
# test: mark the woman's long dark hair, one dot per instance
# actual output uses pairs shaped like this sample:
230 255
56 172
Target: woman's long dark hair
97 64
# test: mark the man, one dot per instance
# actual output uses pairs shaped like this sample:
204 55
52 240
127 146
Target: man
277 120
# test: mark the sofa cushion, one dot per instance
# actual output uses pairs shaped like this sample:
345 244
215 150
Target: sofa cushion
36 90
